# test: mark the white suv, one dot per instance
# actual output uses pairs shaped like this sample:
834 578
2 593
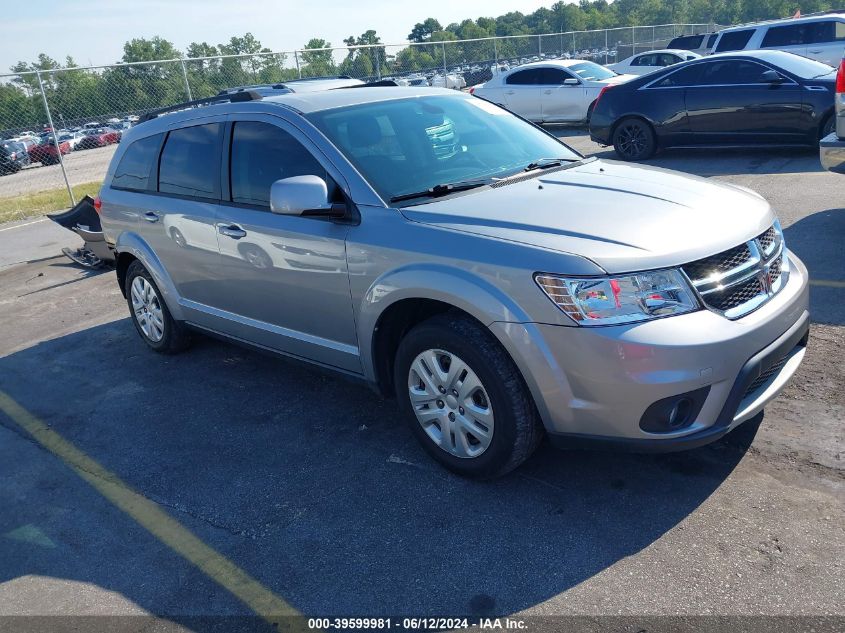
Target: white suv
820 37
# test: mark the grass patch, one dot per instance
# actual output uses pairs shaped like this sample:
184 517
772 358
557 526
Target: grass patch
33 204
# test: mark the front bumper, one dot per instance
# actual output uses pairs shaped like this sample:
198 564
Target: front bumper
593 384
832 153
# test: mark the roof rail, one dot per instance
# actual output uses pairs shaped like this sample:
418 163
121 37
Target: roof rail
229 91
235 97
319 78
373 84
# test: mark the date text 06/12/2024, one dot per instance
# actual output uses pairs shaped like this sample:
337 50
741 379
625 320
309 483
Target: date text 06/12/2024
418 624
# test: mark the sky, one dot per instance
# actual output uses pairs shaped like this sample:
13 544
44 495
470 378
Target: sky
93 31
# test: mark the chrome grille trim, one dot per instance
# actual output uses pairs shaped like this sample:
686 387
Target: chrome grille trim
739 280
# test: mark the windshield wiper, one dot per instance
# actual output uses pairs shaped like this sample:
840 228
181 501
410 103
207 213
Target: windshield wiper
441 190
545 163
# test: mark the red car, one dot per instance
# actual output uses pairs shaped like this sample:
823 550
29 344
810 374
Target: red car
45 152
99 137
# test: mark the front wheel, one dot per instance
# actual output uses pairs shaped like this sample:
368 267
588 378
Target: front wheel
466 401
633 139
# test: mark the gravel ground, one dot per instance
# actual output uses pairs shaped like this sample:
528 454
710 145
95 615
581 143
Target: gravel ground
314 487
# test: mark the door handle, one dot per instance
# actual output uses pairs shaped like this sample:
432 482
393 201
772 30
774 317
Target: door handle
817 51
510 92
151 216
548 92
231 230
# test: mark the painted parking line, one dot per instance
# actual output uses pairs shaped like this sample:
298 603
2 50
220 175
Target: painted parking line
827 283
157 522
20 226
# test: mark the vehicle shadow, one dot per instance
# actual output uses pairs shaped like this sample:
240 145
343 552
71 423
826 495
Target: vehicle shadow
314 486
707 161
817 240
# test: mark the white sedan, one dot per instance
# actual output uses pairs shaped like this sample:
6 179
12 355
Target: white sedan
644 63
553 91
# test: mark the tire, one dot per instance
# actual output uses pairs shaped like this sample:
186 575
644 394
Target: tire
174 336
827 127
633 139
589 114
505 408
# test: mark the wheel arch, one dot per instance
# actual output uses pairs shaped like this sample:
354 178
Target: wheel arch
401 299
130 247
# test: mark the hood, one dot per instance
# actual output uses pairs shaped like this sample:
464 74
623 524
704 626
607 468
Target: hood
623 217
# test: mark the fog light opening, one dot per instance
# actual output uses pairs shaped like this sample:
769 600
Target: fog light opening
679 414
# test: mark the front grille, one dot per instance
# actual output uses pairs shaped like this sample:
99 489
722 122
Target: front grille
767 239
734 296
720 263
762 378
740 279
775 270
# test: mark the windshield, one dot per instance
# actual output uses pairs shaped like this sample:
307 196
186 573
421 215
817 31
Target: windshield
590 71
802 67
407 145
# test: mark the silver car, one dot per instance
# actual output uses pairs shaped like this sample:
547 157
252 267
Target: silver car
505 290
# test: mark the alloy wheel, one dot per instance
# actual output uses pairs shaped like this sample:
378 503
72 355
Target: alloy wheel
632 140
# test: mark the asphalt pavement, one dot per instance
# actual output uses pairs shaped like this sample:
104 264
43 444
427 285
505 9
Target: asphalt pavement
310 493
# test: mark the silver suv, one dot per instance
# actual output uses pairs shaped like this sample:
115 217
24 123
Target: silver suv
502 286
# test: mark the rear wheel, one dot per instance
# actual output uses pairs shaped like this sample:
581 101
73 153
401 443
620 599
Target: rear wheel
827 127
466 401
633 139
150 315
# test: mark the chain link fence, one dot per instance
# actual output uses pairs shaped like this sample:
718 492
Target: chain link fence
60 127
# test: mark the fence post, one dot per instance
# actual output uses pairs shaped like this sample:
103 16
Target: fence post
55 138
605 47
185 77
378 62
495 53
298 69
573 43
633 40
443 45
539 45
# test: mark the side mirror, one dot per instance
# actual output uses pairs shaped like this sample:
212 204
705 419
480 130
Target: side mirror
771 77
571 82
303 195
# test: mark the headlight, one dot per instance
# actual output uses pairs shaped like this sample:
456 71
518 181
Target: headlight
618 300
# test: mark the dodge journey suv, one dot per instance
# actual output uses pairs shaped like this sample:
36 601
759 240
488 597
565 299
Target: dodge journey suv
502 286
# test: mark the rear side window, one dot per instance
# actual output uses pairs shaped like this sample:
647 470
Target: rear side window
686 42
824 32
261 155
190 162
791 35
734 40
645 60
133 171
525 77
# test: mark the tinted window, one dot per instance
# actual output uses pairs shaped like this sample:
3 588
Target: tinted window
822 32
645 60
791 35
712 40
591 71
732 71
687 42
189 162
666 59
734 40
525 77
687 76
133 171
554 76
261 155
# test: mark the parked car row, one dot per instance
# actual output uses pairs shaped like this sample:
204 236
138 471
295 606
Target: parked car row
29 147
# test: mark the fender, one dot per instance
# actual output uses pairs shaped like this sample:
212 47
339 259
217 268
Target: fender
448 284
135 245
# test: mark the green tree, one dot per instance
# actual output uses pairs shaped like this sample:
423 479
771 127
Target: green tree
423 30
318 63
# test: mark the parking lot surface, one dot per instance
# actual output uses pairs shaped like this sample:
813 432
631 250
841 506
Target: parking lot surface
82 167
313 488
